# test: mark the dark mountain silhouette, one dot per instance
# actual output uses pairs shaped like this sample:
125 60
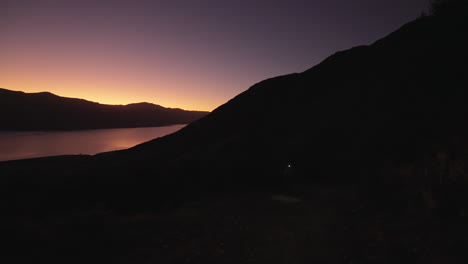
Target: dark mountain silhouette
46 111
401 98
371 132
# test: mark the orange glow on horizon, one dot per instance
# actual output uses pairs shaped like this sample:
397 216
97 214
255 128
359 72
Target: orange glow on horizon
97 75
118 96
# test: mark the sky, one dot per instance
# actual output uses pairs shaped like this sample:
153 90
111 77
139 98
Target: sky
192 54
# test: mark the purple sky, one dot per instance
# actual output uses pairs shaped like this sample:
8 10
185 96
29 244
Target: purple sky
192 54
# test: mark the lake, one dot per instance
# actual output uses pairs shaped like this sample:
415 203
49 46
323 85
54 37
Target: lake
32 144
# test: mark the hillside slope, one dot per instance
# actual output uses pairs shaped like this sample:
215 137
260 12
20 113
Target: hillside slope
400 97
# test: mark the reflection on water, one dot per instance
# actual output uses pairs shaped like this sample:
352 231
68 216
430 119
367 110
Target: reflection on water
22 144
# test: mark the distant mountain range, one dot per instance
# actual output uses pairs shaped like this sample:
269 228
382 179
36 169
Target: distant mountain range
46 111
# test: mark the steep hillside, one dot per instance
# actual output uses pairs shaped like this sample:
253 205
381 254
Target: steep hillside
399 97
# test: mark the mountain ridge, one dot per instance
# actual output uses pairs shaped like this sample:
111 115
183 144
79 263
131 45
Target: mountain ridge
46 93
397 98
47 111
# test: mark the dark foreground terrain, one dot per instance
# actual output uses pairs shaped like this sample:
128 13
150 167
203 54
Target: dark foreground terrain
330 225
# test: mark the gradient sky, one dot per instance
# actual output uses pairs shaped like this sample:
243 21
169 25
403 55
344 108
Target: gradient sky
192 54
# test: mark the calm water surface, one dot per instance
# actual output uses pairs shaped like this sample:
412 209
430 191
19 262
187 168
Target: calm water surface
21 144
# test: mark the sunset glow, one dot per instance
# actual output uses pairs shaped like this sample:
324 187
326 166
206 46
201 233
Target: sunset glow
177 54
